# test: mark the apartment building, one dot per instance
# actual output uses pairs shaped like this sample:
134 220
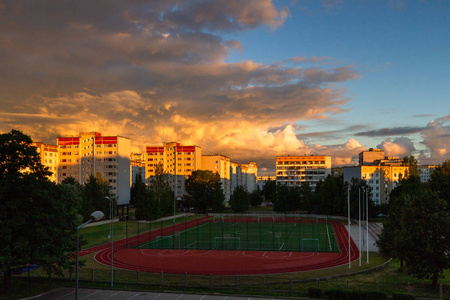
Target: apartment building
49 158
175 159
293 170
137 166
90 153
222 165
425 172
243 175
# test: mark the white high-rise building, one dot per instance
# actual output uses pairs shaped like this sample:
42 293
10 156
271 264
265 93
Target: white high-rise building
91 153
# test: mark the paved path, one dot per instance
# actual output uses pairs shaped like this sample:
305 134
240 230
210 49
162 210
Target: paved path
94 294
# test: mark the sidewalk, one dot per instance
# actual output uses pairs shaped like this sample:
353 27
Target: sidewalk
141 221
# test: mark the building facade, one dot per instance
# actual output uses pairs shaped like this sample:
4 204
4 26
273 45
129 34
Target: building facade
425 172
294 170
91 153
137 166
175 159
49 158
219 164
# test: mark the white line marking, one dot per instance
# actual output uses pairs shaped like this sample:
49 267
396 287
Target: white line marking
202 297
180 296
91 294
135 296
112 295
156 296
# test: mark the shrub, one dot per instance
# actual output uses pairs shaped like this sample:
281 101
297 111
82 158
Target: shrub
315 293
396 296
355 295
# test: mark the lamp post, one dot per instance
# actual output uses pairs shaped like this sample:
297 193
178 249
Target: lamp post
349 249
111 233
95 216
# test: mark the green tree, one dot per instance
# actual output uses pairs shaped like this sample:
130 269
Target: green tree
288 198
330 197
440 181
270 191
37 219
255 198
426 230
96 190
204 191
75 191
412 163
162 191
306 197
239 200
392 242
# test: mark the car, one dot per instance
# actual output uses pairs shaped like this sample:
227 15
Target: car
123 218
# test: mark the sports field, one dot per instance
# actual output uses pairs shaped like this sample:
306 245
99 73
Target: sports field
250 235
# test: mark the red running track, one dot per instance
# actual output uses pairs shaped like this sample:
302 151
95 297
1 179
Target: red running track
218 262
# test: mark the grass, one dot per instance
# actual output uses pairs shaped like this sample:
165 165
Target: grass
389 279
250 236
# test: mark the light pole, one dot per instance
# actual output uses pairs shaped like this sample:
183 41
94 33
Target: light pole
111 233
367 223
95 216
349 249
359 223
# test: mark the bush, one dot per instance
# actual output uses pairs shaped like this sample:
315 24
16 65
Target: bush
315 293
355 295
396 296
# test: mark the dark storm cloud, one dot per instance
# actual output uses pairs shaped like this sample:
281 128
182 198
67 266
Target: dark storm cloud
391 131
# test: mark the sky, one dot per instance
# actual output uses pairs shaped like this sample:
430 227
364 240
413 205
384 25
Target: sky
251 79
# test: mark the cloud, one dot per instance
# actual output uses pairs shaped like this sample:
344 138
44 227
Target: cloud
391 131
398 148
436 138
156 71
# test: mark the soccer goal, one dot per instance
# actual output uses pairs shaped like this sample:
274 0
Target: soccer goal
310 245
163 242
227 243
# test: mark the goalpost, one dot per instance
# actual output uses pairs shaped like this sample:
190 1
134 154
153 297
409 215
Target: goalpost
319 218
310 245
227 243
162 242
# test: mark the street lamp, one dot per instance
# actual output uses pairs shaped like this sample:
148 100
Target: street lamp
95 216
111 233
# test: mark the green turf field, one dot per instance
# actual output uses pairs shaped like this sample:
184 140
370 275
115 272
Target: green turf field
305 237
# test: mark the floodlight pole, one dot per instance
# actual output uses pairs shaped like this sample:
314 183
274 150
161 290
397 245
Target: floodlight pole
359 223
93 217
367 224
111 231
349 246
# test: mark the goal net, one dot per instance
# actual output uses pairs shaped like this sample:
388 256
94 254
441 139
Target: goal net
163 242
227 243
310 245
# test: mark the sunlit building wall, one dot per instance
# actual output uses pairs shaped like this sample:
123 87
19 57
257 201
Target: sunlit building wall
261 180
175 159
220 164
49 158
294 170
91 153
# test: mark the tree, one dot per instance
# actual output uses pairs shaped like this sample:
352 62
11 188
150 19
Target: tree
288 198
239 200
96 190
255 198
440 181
330 197
204 191
270 191
37 220
161 190
426 230
392 242
412 163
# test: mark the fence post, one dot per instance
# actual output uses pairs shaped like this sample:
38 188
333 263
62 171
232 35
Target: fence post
185 279
236 281
409 288
137 276
318 283
162 278
441 292
290 285
378 285
210 280
263 283
92 275
347 284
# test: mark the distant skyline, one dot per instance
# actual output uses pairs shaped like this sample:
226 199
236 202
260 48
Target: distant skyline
248 79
